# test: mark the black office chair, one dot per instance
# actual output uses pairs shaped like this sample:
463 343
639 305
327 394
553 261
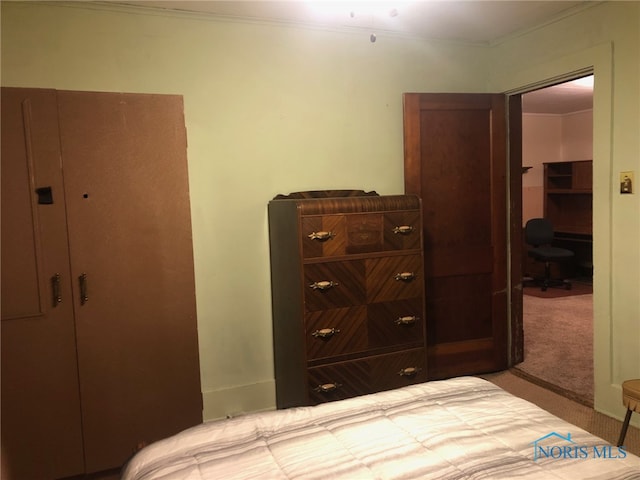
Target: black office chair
538 233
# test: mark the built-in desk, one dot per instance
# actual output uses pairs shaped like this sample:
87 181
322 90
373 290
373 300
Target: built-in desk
582 246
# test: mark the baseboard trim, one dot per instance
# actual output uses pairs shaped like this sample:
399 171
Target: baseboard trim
239 400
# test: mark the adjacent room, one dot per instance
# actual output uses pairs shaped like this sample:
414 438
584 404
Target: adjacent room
557 186
280 224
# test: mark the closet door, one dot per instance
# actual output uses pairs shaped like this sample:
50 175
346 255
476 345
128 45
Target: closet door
124 158
41 425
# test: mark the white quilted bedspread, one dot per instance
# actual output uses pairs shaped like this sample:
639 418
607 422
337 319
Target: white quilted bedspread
463 428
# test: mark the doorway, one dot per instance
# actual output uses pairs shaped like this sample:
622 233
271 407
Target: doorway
557 140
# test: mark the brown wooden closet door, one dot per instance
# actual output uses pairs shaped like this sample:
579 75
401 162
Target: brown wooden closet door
41 425
455 160
124 158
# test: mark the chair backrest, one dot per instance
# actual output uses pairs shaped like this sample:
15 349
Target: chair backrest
538 231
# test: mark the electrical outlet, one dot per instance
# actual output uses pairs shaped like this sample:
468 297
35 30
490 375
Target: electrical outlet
626 182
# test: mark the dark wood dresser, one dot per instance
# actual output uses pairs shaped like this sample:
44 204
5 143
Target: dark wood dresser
347 293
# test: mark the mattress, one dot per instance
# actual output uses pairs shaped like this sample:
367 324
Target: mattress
462 428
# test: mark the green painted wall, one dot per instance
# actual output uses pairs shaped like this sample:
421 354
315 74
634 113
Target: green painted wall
278 108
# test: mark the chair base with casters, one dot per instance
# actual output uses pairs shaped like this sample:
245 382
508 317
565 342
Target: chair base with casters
539 234
547 281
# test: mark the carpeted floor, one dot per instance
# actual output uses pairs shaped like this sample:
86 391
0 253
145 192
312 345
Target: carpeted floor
573 412
558 344
577 288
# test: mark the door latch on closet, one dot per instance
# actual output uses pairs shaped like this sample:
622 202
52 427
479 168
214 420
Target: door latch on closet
83 289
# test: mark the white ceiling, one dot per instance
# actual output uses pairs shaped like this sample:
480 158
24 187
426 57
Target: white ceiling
475 21
568 97
471 21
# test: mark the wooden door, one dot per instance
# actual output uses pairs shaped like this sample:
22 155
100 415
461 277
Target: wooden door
455 160
124 158
41 424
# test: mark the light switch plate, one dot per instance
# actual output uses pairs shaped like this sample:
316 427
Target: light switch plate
626 182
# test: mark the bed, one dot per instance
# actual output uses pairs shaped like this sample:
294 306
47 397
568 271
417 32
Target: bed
462 428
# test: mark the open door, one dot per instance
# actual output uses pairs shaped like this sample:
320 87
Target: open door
456 161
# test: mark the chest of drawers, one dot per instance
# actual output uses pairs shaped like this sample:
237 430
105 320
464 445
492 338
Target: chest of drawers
347 295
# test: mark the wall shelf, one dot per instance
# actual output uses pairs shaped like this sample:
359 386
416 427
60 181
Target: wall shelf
568 196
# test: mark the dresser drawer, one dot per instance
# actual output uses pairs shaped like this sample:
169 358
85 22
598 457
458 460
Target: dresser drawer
395 323
342 331
338 284
402 230
336 332
398 369
347 234
359 377
334 285
394 278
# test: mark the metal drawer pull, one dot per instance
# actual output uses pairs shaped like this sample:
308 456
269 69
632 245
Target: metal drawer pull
83 289
408 320
409 371
55 286
403 229
327 387
324 285
321 236
325 332
405 276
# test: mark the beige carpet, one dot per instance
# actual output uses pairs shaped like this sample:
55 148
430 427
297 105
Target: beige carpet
558 344
573 412
577 288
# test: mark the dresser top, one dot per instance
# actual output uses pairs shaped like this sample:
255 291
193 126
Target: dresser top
325 194
310 203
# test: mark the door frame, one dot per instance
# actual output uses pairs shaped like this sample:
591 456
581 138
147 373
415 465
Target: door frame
514 242
514 188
